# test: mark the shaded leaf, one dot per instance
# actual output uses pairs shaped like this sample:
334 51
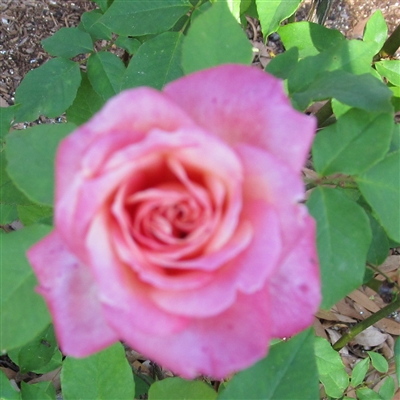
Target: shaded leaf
90 23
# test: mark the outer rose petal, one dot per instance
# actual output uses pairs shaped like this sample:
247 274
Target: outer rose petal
295 288
71 294
214 346
241 104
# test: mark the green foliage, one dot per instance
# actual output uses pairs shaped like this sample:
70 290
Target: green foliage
142 71
201 50
23 312
390 69
378 361
330 368
6 117
284 64
179 389
379 247
48 90
7 392
288 372
90 24
41 390
104 375
33 171
359 372
343 239
397 357
376 30
68 43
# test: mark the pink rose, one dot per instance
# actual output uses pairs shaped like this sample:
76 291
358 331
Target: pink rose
178 227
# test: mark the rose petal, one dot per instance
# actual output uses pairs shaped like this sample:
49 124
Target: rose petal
243 105
72 296
295 288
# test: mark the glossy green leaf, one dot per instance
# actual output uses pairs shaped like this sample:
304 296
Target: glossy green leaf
378 362
283 64
343 239
330 368
359 372
352 56
143 17
367 394
68 43
390 69
379 247
7 392
201 49
23 312
48 90
380 187
131 45
180 389
6 117
87 102
288 372
10 196
338 148
30 155
376 30
105 375
90 23
143 71
105 71
272 13
397 357
386 391
37 353
359 91
309 38
36 391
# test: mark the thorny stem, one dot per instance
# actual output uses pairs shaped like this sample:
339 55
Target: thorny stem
392 43
361 326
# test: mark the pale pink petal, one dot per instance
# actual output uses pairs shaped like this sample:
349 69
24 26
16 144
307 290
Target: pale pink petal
295 288
121 290
72 297
244 104
216 346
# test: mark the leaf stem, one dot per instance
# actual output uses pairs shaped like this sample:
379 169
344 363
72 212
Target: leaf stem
374 318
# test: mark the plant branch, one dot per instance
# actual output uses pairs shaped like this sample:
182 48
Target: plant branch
374 318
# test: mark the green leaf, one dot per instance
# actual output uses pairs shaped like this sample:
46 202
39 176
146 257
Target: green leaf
395 143
142 71
180 389
396 97
23 313
10 196
201 49
68 43
131 45
343 238
272 13
379 247
397 357
234 8
387 389
309 38
30 155
104 375
34 392
367 394
338 148
35 213
376 30
330 368
48 90
283 64
87 102
54 363
7 392
103 4
381 189
105 71
288 372
390 69
378 362
359 372
37 353
90 23
143 17
359 91
6 117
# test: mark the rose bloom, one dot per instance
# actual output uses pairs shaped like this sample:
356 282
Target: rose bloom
178 225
